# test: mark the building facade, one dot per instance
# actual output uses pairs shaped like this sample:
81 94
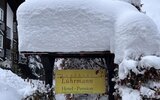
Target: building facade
8 31
2 27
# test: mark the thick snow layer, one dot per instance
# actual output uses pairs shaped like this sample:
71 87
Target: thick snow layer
125 67
90 25
147 92
133 94
150 61
152 8
60 97
13 87
8 93
129 94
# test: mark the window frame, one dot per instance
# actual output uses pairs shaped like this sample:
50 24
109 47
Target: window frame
1 39
1 14
8 33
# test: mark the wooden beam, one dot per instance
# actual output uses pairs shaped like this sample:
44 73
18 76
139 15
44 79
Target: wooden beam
48 64
82 54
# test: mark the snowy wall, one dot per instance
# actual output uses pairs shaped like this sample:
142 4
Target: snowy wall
90 25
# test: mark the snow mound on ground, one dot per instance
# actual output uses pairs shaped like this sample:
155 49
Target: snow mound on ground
13 87
90 25
8 93
60 97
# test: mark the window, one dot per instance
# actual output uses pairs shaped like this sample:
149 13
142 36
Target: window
1 39
1 14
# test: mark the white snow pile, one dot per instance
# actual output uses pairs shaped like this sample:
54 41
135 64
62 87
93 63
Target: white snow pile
129 94
13 87
90 25
146 62
152 8
133 94
6 64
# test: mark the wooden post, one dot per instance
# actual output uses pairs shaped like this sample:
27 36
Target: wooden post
48 64
110 66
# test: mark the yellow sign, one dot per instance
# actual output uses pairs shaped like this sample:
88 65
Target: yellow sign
80 81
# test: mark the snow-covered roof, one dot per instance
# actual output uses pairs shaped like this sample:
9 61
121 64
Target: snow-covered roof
86 25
